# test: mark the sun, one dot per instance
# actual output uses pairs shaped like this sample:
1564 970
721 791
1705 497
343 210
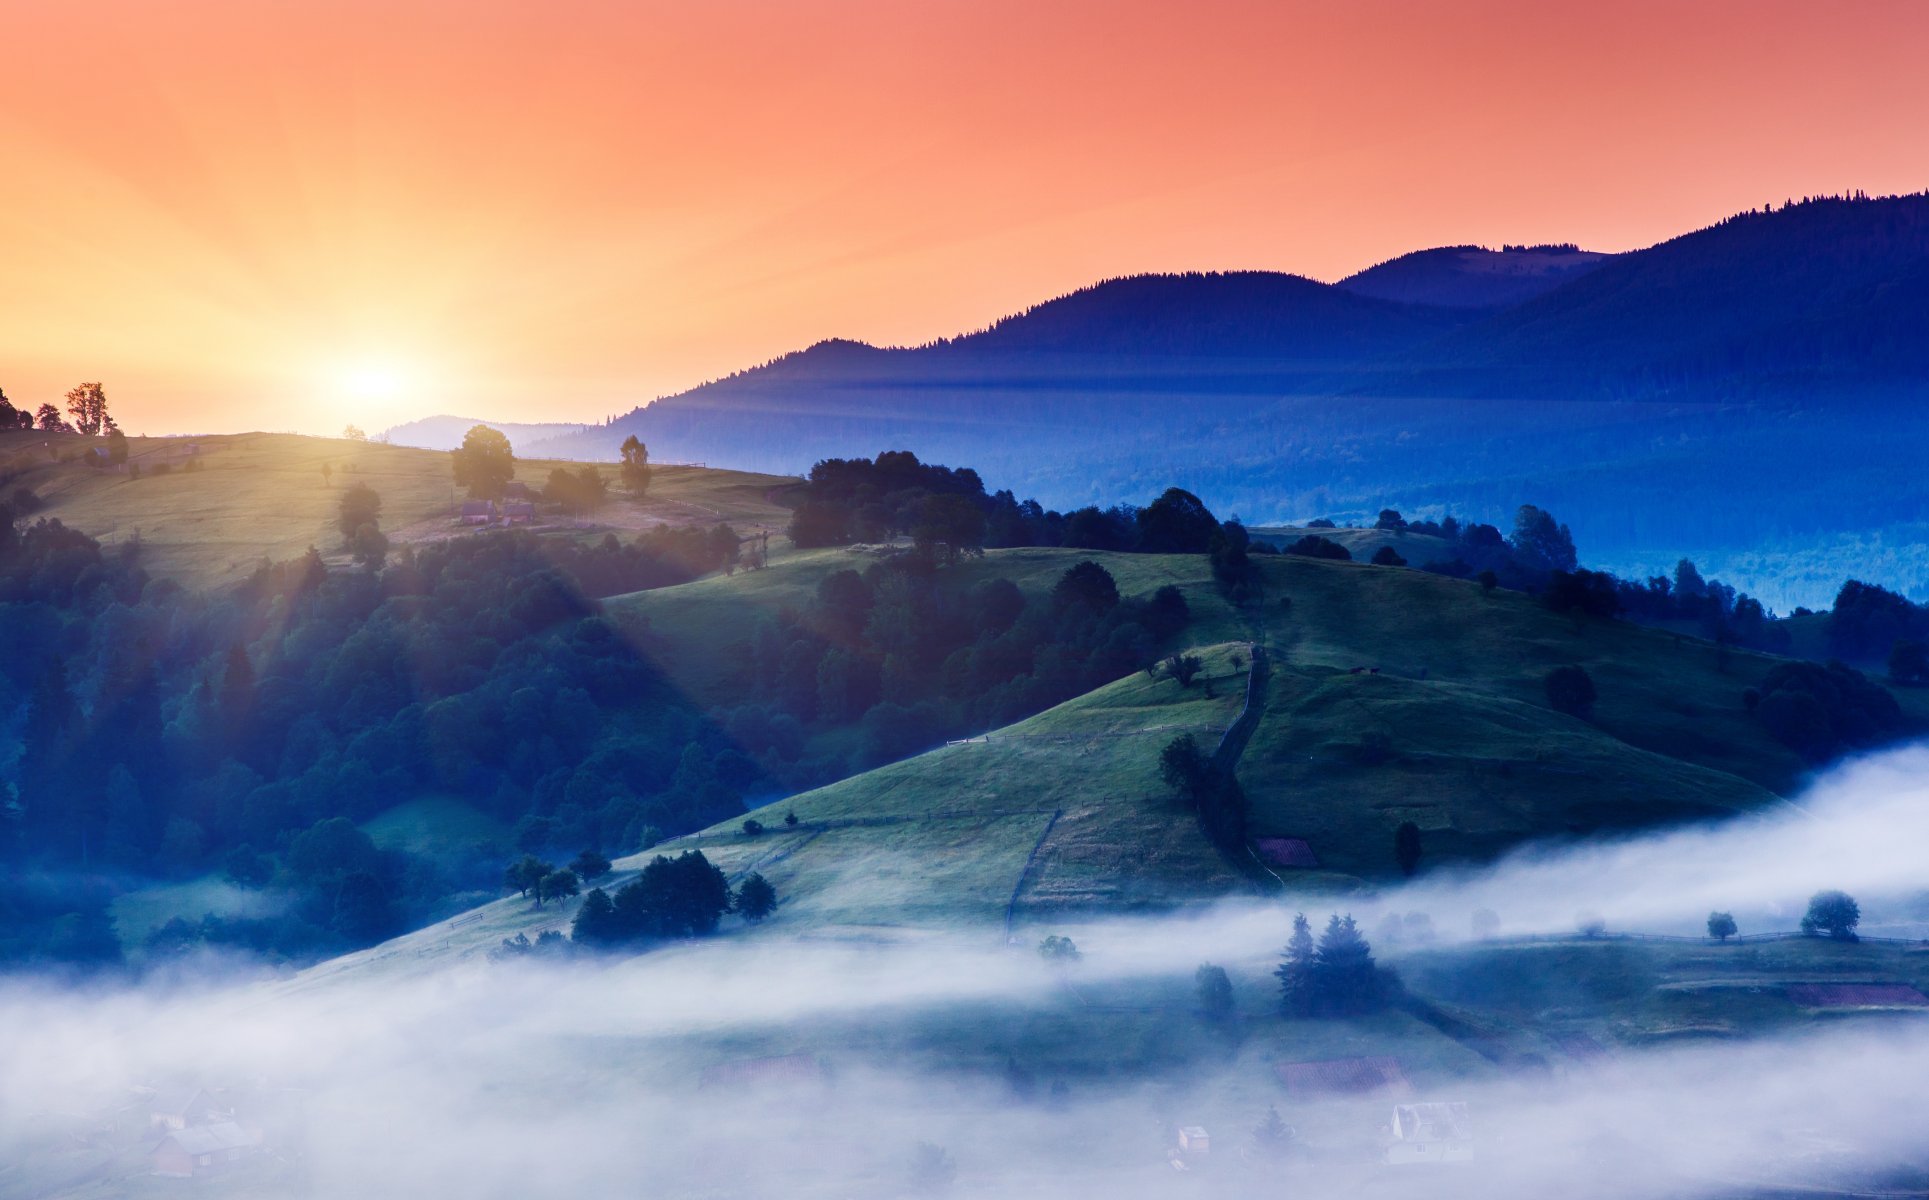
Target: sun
370 380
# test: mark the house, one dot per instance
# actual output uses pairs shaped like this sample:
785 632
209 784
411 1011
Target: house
518 512
1193 1139
1433 1132
201 1150
478 512
182 1107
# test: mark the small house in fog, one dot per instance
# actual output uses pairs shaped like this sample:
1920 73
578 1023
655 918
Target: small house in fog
518 512
1430 1133
478 512
179 1108
1194 1140
201 1150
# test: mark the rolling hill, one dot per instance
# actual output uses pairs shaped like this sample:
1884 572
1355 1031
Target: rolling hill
258 497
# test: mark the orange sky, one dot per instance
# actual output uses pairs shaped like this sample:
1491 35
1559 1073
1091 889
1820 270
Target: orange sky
264 214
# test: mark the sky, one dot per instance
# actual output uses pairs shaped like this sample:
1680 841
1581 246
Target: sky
292 216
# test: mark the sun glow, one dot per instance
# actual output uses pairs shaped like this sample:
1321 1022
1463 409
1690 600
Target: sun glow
370 380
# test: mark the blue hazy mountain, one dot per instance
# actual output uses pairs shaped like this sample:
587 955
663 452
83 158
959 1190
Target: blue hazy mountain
1701 394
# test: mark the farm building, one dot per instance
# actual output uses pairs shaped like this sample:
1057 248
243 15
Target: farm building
201 1150
478 512
518 512
1193 1139
1344 1076
182 1107
1286 852
1430 1133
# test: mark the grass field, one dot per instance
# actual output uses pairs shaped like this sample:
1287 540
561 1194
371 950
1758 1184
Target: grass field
264 496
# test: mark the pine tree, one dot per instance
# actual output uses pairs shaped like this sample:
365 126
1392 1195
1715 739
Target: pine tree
1295 973
1346 981
1272 1137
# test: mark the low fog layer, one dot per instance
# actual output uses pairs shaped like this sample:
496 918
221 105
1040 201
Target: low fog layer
570 1078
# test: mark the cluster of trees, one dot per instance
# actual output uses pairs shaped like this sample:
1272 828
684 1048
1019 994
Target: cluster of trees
681 897
1869 622
1820 711
947 512
86 404
163 731
910 653
1335 977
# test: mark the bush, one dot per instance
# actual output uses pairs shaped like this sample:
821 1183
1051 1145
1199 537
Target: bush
1058 948
1387 556
1570 690
752 827
1315 546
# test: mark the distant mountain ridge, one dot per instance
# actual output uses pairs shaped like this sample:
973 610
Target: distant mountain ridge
1695 393
445 431
1473 276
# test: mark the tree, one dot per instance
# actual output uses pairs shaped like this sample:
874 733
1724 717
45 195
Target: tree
557 885
49 419
1184 668
1583 593
790 818
1215 991
1182 766
1387 556
636 465
1390 518
1178 522
1058 948
526 874
756 899
595 921
360 505
87 404
1909 662
1487 580
1541 544
1315 546
354 433
116 446
370 547
590 864
1406 848
484 463
1721 926
949 527
1570 690
1297 994
1272 1137
1834 913
1086 584
752 827
1346 980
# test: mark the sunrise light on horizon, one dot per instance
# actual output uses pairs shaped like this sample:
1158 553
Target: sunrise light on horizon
560 213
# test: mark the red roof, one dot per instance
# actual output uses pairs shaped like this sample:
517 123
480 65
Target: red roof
1286 852
1344 1075
1857 995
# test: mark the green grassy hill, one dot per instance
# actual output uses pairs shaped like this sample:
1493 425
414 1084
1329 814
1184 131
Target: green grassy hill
261 496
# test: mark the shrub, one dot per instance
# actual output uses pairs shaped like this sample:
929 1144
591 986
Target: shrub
1387 556
1570 690
1315 546
1058 948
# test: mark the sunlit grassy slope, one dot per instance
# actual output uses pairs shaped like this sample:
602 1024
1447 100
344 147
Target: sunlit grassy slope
264 496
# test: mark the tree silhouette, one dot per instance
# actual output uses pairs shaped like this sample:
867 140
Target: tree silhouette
484 463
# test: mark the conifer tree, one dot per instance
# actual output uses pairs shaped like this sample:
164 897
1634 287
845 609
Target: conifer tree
1295 973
